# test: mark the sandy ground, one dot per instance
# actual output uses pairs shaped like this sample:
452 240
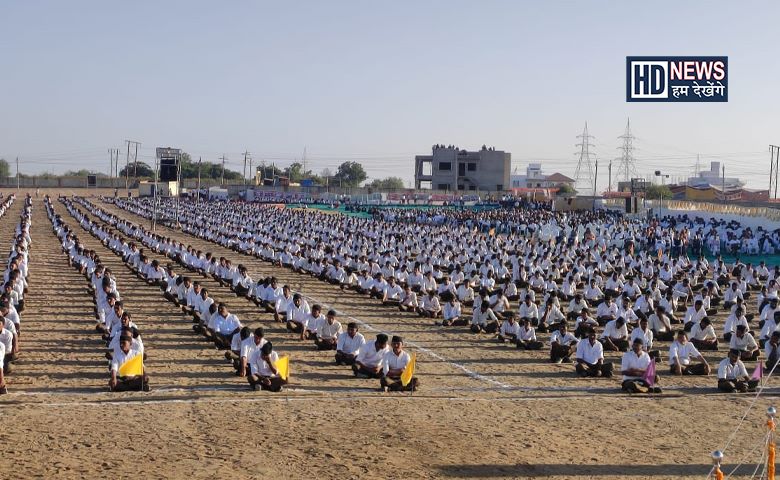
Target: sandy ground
484 410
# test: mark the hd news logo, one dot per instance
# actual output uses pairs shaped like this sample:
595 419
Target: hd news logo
677 79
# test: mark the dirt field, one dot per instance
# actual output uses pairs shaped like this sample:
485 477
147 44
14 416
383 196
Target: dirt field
484 410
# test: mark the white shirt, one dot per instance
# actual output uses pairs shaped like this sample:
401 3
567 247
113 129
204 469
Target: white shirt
351 345
612 331
261 367
683 352
631 360
729 371
391 361
590 353
370 356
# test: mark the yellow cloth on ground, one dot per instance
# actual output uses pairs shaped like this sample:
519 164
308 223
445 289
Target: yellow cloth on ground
408 373
132 367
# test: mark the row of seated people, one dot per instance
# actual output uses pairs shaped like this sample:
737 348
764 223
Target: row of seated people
121 335
122 338
14 288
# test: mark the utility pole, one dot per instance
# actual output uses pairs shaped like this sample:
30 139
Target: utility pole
609 185
127 167
199 165
595 180
724 184
135 158
222 182
252 172
246 154
17 173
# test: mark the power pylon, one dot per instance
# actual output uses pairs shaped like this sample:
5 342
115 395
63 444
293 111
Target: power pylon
583 176
626 162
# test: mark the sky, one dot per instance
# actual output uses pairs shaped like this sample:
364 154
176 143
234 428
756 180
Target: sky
379 82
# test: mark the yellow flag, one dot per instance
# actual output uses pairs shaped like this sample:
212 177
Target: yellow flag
283 367
132 367
408 373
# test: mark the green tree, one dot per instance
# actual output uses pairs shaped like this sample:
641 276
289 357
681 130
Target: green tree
82 173
349 174
5 169
566 189
654 192
389 183
144 170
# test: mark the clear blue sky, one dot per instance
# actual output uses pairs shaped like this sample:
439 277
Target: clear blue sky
378 82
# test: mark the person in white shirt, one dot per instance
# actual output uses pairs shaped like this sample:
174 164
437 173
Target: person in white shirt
409 301
484 320
562 344
297 313
430 307
264 373
660 324
551 316
745 343
312 323
509 330
328 332
349 344
452 312
225 325
393 293
250 347
633 367
615 335
703 336
526 337
730 325
680 353
733 376
393 364
8 339
368 363
119 383
590 358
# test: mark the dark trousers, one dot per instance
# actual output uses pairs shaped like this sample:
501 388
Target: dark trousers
131 384
395 385
588 370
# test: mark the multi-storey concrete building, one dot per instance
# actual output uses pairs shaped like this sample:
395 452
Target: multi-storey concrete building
453 169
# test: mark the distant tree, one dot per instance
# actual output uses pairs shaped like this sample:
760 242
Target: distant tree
654 192
566 189
144 170
5 169
389 183
81 173
349 174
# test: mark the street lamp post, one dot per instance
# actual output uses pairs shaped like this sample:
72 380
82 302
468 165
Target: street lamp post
661 193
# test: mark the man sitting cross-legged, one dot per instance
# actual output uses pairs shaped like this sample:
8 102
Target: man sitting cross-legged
348 345
562 344
615 335
680 353
733 376
634 366
368 363
264 373
393 365
590 358
127 383
328 332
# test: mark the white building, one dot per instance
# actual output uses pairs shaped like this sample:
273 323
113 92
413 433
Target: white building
714 178
535 178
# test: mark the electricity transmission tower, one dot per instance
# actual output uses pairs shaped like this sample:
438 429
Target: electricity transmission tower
583 176
626 162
